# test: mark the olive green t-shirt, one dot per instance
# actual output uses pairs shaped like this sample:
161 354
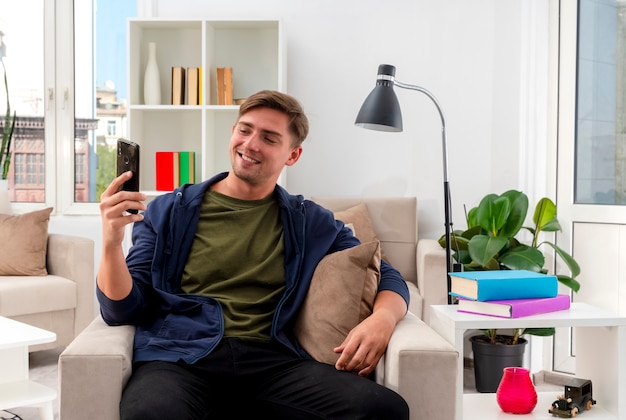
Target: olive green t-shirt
237 258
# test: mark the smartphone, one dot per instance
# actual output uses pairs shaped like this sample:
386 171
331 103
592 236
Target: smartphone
128 160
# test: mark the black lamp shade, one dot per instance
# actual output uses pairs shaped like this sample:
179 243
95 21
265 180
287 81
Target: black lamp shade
381 110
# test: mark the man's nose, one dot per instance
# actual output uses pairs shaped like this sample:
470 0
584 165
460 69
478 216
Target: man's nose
253 141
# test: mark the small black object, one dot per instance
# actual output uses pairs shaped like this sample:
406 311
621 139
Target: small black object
128 160
578 397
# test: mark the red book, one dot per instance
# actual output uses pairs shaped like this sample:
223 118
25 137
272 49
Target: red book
515 308
167 171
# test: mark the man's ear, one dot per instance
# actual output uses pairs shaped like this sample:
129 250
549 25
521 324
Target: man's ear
295 154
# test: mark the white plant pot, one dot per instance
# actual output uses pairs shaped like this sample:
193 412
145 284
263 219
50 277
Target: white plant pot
5 204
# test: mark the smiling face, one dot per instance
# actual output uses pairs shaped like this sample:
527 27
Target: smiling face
260 147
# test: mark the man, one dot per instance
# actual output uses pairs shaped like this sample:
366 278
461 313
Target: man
215 278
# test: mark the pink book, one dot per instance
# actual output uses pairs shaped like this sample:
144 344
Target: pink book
515 308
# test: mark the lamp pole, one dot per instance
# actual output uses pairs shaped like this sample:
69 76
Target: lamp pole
446 184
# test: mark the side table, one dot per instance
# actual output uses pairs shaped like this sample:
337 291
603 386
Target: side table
600 338
15 388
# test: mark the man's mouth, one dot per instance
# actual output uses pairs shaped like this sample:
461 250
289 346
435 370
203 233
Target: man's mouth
248 158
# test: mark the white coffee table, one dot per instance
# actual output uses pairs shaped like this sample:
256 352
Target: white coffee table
16 389
600 338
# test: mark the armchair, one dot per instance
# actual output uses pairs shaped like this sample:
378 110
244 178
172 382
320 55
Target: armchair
418 364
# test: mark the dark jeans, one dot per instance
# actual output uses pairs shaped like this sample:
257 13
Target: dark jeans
246 379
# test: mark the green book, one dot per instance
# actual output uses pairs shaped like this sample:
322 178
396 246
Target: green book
187 167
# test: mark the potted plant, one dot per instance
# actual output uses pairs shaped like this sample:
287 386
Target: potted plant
491 242
7 133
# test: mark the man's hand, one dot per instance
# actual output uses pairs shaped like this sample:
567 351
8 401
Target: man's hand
366 343
113 206
113 278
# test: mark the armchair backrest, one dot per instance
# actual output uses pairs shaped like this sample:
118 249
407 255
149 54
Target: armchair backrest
395 222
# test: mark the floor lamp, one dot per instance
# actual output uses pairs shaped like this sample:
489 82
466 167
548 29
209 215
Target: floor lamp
381 111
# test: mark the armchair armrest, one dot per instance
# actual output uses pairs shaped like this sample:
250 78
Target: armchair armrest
72 257
93 371
431 275
421 366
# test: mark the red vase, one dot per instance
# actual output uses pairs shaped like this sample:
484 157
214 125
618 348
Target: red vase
516 393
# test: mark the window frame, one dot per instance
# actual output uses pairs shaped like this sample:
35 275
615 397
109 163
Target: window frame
60 104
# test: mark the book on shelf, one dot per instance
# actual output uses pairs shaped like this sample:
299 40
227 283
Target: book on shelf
167 171
187 167
200 85
224 82
178 86
502 284
228 85
192 85
219 85
515 308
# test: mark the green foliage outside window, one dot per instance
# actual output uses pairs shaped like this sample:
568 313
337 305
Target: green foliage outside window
106 168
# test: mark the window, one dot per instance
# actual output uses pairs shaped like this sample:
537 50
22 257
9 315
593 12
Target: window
590 152
69 94
97 142
24 73
111 128
601 87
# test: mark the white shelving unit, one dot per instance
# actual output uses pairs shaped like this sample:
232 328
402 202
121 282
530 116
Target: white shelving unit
600 339
253 48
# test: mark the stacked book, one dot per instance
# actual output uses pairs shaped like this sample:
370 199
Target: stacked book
507 293
174 169
186 86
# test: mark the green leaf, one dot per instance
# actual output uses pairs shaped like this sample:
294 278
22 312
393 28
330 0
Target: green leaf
7 133
493 212
571 263
473 231
517 214
492 264
483 248
541 332
552 226
458 242
523 257
569 282
545 212
472 220
463 257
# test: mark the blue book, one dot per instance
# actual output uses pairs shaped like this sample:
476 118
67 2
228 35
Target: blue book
503 284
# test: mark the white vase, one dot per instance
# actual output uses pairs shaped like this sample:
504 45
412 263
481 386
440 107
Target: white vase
5 204
151 78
